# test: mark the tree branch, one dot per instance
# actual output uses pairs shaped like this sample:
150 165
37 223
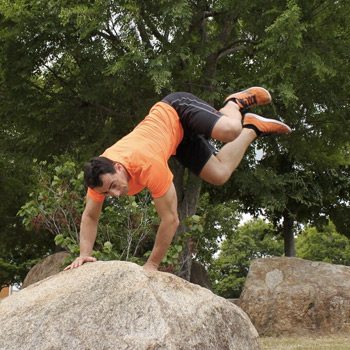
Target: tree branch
155 32
144 35
113 39
235 47
208 14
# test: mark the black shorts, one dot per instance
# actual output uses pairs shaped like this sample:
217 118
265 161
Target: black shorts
197 119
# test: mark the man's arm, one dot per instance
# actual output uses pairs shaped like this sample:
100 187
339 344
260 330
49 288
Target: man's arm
167 210
88 232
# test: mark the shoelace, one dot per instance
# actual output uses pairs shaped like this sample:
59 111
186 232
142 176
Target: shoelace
248 101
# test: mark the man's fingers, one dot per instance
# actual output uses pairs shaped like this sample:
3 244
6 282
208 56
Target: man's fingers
80 261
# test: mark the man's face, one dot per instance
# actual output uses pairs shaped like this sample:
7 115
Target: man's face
114 185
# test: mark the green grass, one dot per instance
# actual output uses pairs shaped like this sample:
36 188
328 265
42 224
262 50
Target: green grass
304 343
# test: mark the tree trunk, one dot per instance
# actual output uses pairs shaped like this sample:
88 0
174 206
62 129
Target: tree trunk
188 187
288 235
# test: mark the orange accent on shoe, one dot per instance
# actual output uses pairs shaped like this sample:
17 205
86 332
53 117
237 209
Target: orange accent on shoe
254 96
265 126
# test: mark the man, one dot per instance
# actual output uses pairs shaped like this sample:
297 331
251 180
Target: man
179 125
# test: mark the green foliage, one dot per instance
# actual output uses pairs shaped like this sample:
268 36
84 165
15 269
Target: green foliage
192 238
297 55
107 252
255 239
202 234
171 261
19 249
129 224
7 270
324 245
218 221
55 204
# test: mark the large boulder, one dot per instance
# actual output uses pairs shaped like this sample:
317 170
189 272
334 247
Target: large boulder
291 296
49 266
117 305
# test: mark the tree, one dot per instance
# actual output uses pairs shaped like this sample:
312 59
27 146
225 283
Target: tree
255 239
301 55
324 245
19 249
76 58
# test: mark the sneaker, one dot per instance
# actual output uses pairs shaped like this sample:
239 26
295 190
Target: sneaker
264 126
254 96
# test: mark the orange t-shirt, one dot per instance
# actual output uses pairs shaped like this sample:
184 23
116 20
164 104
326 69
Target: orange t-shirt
146 150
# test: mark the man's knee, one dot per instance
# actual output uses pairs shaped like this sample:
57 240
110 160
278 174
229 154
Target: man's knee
233 130
217 177
227 129
221 180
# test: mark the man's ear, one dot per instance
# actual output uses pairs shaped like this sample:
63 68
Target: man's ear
118 167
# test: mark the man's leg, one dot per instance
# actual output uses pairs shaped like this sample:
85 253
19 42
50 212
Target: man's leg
219 168
229 126
200 121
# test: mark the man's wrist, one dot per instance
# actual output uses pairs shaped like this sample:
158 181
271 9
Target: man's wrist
152 263
85 255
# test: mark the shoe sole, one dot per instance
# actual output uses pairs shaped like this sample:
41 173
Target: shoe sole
254 87
267 120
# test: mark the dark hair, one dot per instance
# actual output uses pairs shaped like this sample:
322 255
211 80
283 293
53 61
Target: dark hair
96 167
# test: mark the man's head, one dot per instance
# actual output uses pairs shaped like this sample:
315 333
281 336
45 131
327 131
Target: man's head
106 177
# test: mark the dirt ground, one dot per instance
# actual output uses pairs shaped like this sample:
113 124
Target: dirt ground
304 343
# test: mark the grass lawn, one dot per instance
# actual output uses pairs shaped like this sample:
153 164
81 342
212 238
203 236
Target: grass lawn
319 343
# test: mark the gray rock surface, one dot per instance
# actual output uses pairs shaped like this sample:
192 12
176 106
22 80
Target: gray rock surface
47 267
291 296
117 305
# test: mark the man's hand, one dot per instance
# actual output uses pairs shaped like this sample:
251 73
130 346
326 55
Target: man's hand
150 267
80 261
